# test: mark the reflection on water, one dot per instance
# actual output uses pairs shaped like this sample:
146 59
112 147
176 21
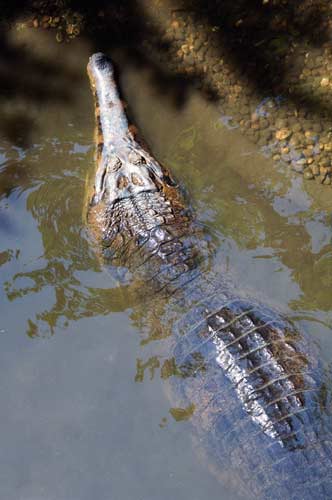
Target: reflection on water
274 239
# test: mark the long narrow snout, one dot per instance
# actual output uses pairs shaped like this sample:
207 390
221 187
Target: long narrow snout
111 118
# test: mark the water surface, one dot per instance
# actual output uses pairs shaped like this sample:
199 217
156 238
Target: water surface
81 418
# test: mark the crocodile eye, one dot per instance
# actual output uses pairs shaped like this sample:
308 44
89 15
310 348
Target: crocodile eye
169 180
136 159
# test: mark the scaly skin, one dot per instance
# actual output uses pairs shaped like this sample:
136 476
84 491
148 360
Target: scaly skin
254 383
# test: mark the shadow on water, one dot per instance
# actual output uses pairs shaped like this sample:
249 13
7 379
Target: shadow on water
27 81
258 38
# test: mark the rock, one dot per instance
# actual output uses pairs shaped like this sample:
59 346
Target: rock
283 134
315 170
309 134
178 35
308 174
308 151
325 162
297 127
197 44
323 171
266 135
281 123
294 142
317 128
324 140
59 37
325 82
263 123
299 165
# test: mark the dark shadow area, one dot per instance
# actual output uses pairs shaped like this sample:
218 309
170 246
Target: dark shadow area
25 80
257 39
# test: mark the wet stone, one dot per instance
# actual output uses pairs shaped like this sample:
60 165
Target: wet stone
296 127
281 123
316 127
325 162
328 147
315 170
324 140
308 174
283 134
325 82
178 35
324 170
266 135
293 142
299 165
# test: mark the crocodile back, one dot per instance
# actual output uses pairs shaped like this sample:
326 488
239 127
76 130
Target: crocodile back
258 396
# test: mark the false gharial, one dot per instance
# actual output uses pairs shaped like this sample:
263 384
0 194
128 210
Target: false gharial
258 391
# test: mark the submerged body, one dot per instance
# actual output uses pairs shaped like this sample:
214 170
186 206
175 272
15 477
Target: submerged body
257 390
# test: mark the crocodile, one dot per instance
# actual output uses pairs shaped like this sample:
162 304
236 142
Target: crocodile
258 393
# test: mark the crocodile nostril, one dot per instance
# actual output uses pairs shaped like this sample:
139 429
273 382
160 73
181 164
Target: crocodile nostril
136 159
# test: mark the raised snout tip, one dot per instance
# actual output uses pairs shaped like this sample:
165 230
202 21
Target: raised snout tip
100 61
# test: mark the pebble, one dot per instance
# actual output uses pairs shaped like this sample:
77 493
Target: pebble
308 174
325 82
299 165
315 170
59 37
309 134
297 127
281 123
283 134
325 162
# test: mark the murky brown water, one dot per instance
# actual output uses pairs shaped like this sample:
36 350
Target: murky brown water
74 422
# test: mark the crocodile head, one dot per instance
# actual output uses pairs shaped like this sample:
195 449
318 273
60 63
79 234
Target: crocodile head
134 198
